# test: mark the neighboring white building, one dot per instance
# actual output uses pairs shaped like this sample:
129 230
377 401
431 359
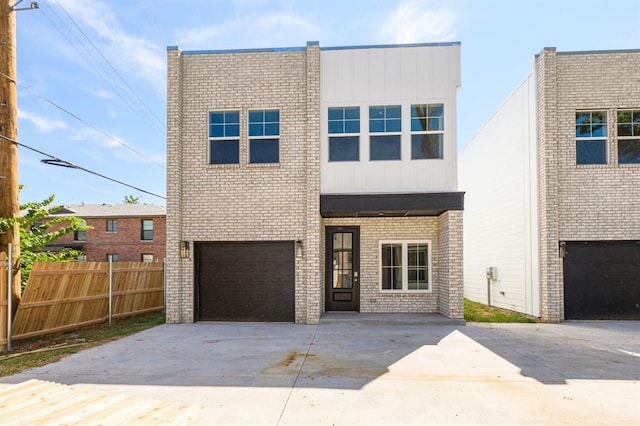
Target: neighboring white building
305 180
552 185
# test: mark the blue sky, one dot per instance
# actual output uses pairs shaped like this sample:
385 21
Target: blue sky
92 72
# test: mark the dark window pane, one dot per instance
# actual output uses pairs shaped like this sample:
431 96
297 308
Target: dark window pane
583 118
351 113
598 131
264 151
225 152
384 148
436 123
591 152
256 116
583 131
418 124
636 130
598 117
376 112
426 146
336 113
386 255
352 126
419 111
376 126
625 130
256 130
344 148
394 125
393 111
629 151
386 278
272 129
272 116
216 117
232 130
396 278
436 110
336 127
232 117
216 131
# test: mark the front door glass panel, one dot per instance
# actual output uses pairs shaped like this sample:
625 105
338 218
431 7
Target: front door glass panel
342 270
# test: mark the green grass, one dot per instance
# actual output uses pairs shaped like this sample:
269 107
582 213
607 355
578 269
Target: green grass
60 343
478 312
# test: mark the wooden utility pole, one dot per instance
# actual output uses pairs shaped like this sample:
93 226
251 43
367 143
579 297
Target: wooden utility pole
9 185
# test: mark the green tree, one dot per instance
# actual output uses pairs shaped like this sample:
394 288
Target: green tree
130 199
39 226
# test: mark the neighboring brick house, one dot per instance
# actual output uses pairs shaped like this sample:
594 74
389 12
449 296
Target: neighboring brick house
553 189
127 232
305 180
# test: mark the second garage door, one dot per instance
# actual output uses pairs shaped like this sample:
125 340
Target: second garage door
602 280
245 281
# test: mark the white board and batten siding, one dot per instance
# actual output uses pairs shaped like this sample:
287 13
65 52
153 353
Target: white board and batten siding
390 75
497 171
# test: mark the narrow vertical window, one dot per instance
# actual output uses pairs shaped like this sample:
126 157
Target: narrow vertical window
591 137
385 127
224 137
629 137
264 136
147 230
427 131
112 225
344 134
80 235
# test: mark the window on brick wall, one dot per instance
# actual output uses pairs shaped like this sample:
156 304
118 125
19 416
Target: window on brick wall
344 134
224 137
147 230
385 127
112 256
427 131
629 137
405 266
591 137
81 258
264 136
147 257
80 235
112 225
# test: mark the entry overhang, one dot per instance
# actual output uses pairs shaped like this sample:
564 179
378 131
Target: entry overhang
390 205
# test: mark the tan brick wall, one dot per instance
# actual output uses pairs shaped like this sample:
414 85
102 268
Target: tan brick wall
580 202
242 202
446 270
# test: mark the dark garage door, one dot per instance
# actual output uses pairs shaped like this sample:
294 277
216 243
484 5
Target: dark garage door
245 281
602 280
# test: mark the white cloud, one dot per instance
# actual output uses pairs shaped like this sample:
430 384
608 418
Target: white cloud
44 125
272 29
137 54
418 21
102 94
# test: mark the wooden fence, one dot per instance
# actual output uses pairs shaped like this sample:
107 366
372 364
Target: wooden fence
4 299
69 295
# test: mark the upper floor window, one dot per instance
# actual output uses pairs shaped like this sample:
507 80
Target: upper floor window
224 137
147 230
344 131
405 265
629 137
591 137
264 136
80 235
427 131
385 127
112 225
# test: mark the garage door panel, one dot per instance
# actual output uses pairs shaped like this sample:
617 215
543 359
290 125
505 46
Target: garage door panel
246 281
602 280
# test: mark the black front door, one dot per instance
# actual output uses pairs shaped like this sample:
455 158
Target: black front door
342 270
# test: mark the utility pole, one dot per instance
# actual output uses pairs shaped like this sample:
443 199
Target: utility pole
9 185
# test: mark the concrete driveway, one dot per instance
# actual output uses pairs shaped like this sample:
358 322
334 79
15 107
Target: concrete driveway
373 369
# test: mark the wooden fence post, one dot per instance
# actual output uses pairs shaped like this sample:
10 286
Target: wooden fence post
4 300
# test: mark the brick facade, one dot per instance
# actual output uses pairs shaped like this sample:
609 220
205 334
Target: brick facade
582 202
127 242
275 202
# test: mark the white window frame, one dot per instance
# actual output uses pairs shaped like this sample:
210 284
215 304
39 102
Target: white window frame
579 139
224 137
633 136
251 138
425 132
405 266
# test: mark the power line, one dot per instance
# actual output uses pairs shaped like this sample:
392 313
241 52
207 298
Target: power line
53 160
95 64
86 123
110 65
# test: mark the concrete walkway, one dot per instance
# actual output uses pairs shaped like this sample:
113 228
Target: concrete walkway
376 370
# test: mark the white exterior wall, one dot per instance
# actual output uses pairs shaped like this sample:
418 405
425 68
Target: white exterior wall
390 76
498 173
